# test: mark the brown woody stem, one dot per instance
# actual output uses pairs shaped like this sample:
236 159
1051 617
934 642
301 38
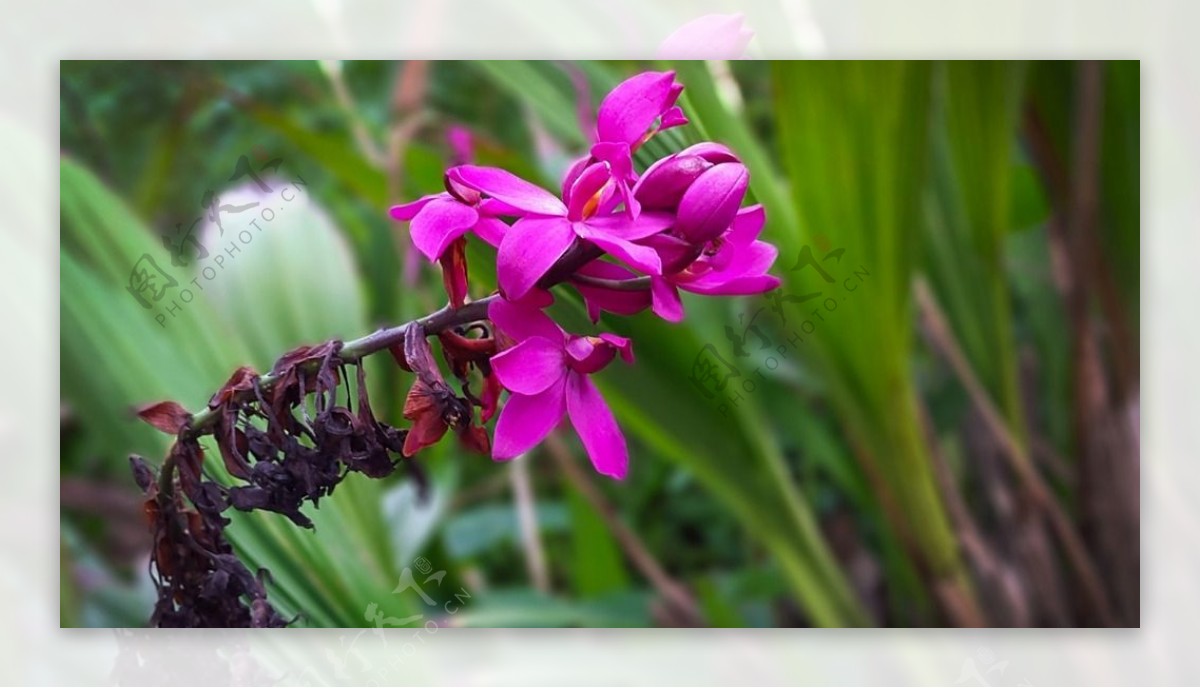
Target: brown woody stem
635 284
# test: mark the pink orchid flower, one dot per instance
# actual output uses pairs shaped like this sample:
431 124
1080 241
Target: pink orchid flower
439 219
708 37
629 115
439 227
548 226
462 144
679 226
546 373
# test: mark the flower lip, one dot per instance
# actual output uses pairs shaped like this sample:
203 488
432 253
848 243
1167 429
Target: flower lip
587 355
588 192
590 354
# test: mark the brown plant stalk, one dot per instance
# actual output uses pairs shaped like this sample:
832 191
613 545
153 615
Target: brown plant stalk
1019 461
301 452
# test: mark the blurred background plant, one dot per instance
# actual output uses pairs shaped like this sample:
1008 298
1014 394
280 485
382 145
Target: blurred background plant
933 422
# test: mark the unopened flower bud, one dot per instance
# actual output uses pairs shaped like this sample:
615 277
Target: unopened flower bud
663 185
711 202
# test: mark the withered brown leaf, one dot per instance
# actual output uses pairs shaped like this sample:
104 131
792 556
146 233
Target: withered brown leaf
167 416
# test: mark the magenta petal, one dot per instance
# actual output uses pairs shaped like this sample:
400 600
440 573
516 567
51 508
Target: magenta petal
617 155
666 302
440 222
408 211
643 258
526 420
676 90
491 230
722 259
754 259
633 209
747 264
631 108
710 204
738 286
622 344
672 118
596 426
497 208
531 366
619 226
521 321
743 274
747 225
508 188
529 249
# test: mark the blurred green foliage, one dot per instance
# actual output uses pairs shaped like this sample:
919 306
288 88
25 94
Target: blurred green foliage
812 500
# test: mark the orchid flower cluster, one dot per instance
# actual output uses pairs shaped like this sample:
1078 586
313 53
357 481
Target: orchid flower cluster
287 438
679 225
